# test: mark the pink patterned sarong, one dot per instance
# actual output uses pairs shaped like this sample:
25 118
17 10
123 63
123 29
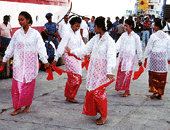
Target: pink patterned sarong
123 79
22 93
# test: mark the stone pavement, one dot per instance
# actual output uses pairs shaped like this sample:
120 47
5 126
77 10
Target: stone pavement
50 111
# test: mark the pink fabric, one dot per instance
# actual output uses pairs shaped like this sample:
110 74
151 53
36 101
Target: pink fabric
123 79
72 85
72 64
22 93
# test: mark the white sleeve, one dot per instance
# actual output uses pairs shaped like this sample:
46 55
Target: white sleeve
84 50
61 47
149 47
41 49
10 49
111 56
168 49
138 47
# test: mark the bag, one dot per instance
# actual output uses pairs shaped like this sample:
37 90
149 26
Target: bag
50 49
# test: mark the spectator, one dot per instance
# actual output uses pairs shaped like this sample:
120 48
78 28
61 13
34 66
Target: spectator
120 29
115 24
146 32
51 30
91 27
5 33
139 27
84 29
63 25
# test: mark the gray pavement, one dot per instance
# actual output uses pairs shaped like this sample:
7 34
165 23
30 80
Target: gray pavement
50 111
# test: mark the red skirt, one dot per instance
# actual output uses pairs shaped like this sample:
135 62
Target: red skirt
123 79
95 101
22 93
72 85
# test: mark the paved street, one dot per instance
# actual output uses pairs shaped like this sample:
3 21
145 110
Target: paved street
50 111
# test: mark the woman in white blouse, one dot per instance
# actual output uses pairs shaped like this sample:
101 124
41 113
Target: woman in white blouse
127 46
156 55
102 62
73 40
25 45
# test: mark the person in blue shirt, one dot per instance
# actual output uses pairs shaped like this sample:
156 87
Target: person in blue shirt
91 27
51 30
115 24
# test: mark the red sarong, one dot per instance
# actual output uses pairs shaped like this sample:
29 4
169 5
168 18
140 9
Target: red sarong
95 101
72 85
123 79
22 93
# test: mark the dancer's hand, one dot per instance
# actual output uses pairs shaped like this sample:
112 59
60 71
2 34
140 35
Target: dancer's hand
68 50
140 63
47 65
110 76
54 63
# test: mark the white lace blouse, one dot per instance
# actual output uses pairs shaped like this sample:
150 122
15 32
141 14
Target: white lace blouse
158 52
25 48
127 46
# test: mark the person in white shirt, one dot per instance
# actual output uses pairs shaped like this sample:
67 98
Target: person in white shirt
25 45
102 62
157 55
5 33
73 40
127 46
84 29
62 29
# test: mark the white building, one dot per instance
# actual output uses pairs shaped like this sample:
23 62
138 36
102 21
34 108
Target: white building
155 7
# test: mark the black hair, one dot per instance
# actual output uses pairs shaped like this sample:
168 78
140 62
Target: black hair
75 20
116 17
130 23
159 23
6 17
93 17
139 18
26 15
44 36
100 22
120 21
31 21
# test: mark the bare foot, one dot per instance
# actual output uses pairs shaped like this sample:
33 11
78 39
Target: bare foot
101 120
97 120
26 110
159 97
154 95
71 100
17 111
126 94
